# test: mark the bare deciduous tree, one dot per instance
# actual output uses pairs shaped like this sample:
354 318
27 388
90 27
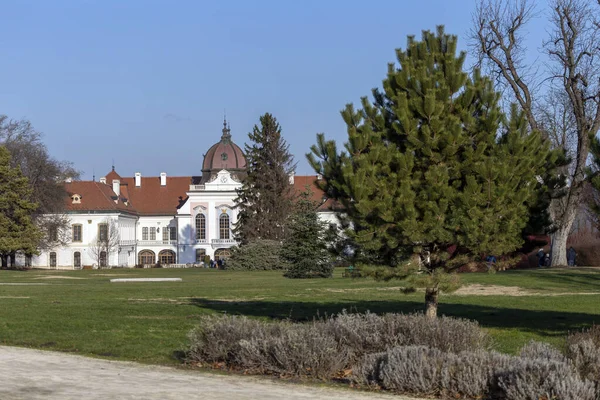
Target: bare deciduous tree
106 242
46 177
572 74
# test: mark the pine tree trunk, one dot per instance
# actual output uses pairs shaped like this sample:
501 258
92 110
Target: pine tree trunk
431 302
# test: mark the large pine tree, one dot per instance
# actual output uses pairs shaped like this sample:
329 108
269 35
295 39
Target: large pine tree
266 198
433 175
17 231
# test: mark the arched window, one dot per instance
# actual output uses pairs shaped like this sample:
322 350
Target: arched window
166 257
146 257
224 226
222 254
200 227
53 259
103 258
77 260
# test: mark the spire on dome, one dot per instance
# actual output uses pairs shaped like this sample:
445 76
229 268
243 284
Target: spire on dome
226 131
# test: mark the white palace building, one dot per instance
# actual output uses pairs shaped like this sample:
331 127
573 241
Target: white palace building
167 220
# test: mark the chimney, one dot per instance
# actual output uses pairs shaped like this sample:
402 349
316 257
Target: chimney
116 186
319 177
138 179
291 178
69 180
163 179
103 180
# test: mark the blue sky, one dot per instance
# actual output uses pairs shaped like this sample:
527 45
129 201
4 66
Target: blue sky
146 82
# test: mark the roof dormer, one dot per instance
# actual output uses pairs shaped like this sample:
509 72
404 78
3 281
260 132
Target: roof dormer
76 198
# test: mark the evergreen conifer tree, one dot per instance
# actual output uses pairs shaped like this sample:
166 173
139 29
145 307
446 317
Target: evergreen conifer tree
304 249
433 175
17 231
265 200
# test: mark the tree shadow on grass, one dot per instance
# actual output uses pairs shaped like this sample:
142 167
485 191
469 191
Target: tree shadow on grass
541 322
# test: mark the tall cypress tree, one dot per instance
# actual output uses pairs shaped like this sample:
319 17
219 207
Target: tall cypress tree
265 199
17 231
433 175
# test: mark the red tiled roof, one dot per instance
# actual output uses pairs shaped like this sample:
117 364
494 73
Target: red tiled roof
153 199
112 175
95 196
317 195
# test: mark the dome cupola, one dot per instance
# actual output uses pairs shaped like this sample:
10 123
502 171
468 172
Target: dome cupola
223 155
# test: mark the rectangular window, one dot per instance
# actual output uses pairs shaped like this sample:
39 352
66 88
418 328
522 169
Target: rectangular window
53 234
152 233
166 234
77 237
53 259
200 253
145 233
173 235
103 232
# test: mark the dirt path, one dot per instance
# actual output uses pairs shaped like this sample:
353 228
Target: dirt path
27 374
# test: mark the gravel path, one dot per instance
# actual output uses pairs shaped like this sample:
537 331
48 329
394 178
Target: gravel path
27 374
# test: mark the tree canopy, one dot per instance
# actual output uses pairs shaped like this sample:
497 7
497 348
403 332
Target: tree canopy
17 231
433 174
266 198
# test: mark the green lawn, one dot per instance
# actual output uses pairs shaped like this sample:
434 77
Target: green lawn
148 322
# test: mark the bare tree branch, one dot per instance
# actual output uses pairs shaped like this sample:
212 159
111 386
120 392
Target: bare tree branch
573 47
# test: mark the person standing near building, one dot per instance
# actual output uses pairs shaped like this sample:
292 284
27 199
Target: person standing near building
571 255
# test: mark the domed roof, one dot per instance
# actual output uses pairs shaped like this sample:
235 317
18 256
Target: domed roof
223 155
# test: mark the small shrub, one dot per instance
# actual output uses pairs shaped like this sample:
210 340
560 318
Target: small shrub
309 268
542 350
534 379
372 333
592 334
413 369
585 357
299 350
471 374
217 338
257 255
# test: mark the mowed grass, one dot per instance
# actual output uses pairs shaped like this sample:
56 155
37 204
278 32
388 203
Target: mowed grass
83 312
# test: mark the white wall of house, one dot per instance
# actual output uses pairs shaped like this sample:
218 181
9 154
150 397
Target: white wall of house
213 199
65 256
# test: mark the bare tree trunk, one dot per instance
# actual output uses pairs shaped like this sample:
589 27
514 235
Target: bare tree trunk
4 259
431 302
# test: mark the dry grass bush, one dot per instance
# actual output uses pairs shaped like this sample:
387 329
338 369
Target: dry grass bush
475 375
426 371
592 334
371 333
542 350
401 353
298 350
217 338
471 375
585 357
534 379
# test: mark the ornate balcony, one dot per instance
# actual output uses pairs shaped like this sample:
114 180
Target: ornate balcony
216 243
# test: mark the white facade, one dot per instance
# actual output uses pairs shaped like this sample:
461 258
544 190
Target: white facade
201 228
156 234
